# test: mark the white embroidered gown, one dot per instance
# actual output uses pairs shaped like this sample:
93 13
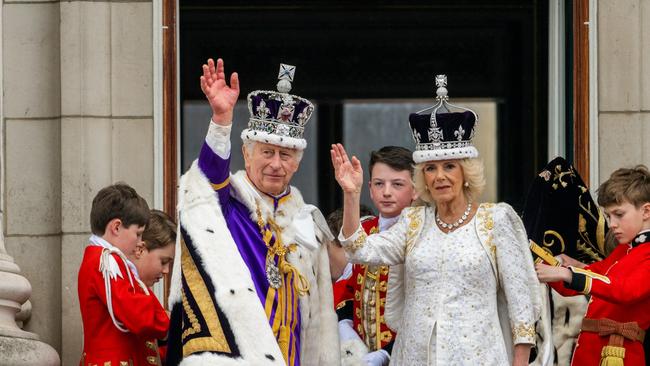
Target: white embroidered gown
450 314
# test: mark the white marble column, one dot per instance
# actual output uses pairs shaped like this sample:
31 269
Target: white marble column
106 126
623 84
17 347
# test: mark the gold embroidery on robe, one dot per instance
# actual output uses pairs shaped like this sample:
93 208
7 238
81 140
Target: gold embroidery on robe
215 341
523 330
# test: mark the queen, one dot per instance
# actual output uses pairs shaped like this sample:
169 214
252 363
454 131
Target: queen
469 286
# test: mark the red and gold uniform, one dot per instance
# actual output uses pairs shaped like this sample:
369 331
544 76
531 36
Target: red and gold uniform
135 309
362 298
619 308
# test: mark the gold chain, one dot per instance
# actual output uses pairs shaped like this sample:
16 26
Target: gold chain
301 284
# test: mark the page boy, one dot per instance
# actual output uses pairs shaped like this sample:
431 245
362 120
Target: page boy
391 190
117 312
612 331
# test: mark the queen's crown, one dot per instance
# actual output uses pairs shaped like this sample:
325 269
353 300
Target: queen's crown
443 134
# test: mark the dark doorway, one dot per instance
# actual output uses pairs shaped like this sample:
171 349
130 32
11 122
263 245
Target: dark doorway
386 50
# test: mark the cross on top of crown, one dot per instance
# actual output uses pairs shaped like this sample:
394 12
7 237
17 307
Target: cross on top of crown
286 72
441 81
285 77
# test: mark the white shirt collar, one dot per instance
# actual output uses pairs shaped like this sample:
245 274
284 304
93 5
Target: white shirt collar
386 222
101 242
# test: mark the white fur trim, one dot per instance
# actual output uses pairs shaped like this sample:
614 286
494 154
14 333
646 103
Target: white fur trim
175 282
284 141
199 209
544 341
319 325
420 156
247 194
564 333
352 352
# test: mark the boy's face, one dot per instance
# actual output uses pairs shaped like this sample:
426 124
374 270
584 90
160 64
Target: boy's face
390 190
153 264
127 238
626 220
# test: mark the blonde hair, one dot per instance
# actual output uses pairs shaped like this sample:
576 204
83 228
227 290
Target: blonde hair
472 174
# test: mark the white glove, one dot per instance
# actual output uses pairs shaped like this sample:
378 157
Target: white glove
346 331
377 358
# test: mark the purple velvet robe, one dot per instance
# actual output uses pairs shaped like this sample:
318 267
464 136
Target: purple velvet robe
246 234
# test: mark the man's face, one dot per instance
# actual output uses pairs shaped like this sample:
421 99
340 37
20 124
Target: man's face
391 190
626 220
270 167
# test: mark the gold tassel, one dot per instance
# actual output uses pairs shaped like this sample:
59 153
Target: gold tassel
612 356
283 342
301 284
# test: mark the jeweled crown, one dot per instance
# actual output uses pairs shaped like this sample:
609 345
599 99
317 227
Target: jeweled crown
277 117
443 136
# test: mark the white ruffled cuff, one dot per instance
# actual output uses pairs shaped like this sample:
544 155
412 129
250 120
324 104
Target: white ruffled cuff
218 138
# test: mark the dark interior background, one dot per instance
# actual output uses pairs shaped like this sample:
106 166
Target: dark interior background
386 50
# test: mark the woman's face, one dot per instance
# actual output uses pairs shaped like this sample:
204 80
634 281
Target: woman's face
444 180
153 264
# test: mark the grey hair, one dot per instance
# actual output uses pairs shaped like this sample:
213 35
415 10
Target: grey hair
249 146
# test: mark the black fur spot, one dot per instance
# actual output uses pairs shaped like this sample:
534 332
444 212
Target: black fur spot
270 357
209 230
232 291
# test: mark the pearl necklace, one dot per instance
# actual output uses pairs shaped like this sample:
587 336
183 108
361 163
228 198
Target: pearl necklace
455 224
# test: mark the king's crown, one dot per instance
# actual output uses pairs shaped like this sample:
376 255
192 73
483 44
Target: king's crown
278 117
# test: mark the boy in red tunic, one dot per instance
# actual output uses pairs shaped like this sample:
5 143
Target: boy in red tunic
612 331
361 305
153 259
117 311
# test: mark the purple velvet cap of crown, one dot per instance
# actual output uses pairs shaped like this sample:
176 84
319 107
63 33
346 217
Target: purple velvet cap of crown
278 118
448 137
275 107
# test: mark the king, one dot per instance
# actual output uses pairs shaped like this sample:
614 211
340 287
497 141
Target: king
251 285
